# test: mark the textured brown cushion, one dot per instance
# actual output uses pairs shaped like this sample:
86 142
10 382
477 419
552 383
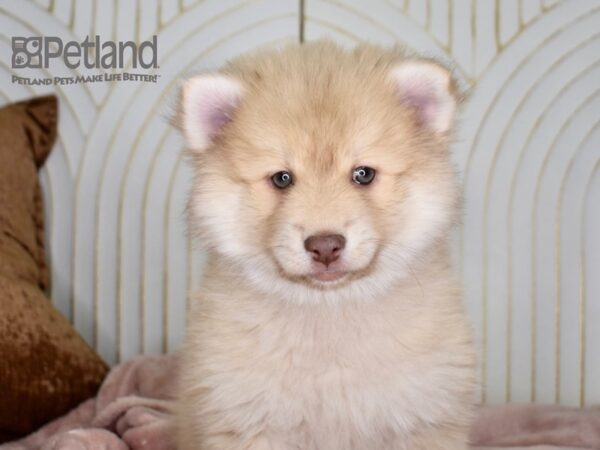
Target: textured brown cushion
45 367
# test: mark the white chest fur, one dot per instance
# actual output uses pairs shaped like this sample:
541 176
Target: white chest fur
327 376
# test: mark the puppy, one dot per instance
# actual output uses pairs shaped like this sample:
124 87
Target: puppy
328 318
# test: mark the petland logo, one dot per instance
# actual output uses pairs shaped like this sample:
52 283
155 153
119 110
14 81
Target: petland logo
38 52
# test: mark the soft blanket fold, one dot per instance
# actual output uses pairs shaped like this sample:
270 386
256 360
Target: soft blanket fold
133 410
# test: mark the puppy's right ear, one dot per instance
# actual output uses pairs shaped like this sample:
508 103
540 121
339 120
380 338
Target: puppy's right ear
428 89
207 105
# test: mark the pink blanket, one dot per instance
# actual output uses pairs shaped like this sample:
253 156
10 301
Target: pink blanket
134 406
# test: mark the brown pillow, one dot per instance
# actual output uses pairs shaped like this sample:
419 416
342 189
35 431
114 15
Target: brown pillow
45 367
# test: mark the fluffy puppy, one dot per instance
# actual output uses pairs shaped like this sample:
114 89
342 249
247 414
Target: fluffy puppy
328 318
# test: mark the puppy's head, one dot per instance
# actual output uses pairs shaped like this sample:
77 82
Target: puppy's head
321 172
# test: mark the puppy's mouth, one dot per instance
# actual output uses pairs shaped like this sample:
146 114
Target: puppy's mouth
328 276
336 275
319 275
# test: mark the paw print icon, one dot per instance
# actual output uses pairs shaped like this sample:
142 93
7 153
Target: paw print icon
27 52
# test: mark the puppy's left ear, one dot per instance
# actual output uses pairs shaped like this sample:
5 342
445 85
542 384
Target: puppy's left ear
207 105
428 89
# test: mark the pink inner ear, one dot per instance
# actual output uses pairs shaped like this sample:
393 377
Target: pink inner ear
208 104
215 112
425 88
421 95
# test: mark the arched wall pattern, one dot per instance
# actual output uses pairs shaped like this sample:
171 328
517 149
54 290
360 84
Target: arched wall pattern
528 150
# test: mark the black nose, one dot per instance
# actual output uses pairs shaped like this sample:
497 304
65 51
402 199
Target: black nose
325 248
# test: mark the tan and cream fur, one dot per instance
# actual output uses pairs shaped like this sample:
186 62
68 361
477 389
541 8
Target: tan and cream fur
328 317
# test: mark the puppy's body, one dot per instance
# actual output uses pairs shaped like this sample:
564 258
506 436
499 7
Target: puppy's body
388 374
368 349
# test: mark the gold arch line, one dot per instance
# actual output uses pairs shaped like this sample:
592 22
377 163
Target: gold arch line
522 152
551 150
557 240
370 20
475 144
489 180
582 294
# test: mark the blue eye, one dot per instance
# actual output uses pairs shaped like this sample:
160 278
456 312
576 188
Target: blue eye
282 180
363 175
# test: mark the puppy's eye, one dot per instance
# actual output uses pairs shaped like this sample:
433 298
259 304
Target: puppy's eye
363 175
282 180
